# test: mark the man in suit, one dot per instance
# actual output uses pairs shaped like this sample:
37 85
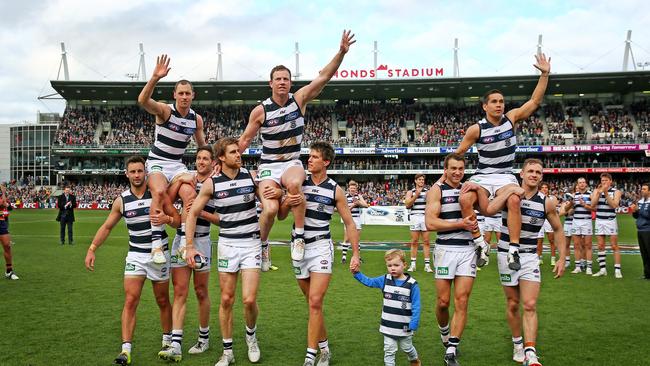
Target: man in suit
66 203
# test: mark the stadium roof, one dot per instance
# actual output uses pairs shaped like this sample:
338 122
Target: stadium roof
376 89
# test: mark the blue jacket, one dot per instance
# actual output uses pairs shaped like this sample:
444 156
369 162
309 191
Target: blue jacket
642 216
378 282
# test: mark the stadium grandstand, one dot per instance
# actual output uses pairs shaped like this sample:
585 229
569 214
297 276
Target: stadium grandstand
384 131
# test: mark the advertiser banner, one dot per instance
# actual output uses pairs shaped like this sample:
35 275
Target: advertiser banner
423 150
338 151
358 150
525 148
390 150
385 215
595 170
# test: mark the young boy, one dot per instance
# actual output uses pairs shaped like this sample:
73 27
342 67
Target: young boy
400 315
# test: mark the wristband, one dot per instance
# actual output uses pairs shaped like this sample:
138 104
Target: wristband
92 248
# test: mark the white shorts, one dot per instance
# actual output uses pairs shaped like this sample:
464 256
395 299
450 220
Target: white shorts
481 226
417 223
492 224
493 182
141 264
451 262
319 257
606 227
203 245
567 228
170 169
357 222
247 255
275 171
529 269
581 227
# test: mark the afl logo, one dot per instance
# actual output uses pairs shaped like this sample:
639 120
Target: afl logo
174 127
222 194
273 122
449 199
487 140
130 213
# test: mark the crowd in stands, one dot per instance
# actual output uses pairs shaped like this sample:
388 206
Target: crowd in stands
378 192
375 123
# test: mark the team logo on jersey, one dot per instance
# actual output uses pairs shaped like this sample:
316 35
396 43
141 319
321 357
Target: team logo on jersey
245 190
129 267
534 213
222 194
293 124
505 135
320 207
247 198
321 199
443 271
223 263
292 116
505 277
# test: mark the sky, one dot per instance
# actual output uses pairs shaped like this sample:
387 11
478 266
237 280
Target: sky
496 38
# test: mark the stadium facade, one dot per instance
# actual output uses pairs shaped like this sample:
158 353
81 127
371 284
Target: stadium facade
35 151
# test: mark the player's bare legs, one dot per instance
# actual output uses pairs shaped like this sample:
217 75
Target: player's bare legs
157 184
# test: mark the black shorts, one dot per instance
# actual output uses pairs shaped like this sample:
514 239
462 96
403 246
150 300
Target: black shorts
4 227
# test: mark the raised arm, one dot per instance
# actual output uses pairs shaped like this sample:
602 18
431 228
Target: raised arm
255 121
350 228
199 134
113 218
471 136
310 91
554 219
160 110
544 66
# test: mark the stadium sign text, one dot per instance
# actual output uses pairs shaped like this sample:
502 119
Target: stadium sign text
383 71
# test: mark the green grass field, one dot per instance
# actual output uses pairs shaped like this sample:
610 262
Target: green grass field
60 314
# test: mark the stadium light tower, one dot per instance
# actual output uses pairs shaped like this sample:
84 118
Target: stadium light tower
297 75
64 63
628 51
539 49
142 71
456 68
375 51
643 65
219 76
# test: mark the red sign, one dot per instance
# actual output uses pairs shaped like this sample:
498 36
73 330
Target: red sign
383 71
595 170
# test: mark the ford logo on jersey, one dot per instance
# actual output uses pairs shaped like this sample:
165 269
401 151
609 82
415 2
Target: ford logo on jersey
323 200
534 213
245 190
505 135
189 131
487 139
291 116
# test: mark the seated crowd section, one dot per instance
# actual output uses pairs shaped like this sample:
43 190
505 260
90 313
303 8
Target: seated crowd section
555 123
